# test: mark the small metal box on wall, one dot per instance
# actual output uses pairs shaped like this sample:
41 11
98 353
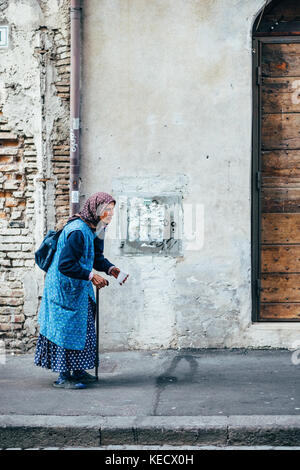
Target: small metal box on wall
150 224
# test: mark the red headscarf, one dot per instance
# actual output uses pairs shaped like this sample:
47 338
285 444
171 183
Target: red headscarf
93 208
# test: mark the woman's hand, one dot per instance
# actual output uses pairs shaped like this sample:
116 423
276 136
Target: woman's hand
115 272
99 281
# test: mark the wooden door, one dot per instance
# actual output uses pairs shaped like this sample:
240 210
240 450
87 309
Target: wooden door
276 163
278 179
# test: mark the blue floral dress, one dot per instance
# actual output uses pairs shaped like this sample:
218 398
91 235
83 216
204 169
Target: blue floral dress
58 359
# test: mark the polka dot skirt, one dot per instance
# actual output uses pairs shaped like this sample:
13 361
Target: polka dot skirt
52 356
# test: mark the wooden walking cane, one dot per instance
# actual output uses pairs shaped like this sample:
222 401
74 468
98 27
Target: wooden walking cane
97 334
97 331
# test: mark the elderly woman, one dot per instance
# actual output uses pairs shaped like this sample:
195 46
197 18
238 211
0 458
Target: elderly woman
67 339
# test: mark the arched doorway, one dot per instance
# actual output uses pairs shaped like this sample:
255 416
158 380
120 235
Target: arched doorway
276 163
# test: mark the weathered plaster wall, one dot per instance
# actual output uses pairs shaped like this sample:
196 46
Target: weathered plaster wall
166 96
34 84
167 103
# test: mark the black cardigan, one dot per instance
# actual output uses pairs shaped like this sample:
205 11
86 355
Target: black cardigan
68 263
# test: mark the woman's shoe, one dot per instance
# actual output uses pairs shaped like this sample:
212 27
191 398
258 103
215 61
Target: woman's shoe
70 384
84 377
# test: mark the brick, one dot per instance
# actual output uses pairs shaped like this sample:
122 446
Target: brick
61 89
7 292
18 255
5 327
62 187
61 210
6 168
18 318
28 165
61 192
64 96
6 158
8 136
15 239
4 125
65 55
11 185
63 165
30 153
9 202
60 203
16 215
27 247
5 262
10 247
64 47
64 76
5 318
64 69
10 231
16 263
61 147
63 83
62 180
62 200
5 310
10 276
11 301
5 194
11 284
60 170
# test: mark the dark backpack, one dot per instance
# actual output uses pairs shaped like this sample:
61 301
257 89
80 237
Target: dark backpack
45 253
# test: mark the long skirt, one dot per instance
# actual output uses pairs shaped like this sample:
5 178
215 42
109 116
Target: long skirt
52 356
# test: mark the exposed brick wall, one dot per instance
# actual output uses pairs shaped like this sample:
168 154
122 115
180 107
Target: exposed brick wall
18 169
61 147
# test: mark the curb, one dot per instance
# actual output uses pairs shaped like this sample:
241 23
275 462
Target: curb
22 431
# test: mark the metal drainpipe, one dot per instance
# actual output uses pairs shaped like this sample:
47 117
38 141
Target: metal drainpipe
75 105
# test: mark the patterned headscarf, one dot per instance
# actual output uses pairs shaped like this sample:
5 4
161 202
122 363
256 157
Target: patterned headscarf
93 208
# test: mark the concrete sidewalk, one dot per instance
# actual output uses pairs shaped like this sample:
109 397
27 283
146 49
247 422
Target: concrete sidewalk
197 397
